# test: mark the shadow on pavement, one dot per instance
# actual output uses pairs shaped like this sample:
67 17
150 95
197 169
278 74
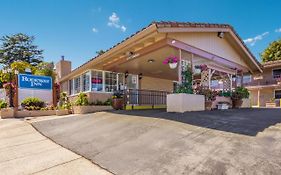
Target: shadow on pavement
240 121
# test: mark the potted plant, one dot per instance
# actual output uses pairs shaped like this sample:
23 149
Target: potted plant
117 100
210 96
237 96
172 61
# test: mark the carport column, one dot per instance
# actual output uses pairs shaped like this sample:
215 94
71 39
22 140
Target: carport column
180 67
258 97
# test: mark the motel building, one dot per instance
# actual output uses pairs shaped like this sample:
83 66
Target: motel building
265 88
135 65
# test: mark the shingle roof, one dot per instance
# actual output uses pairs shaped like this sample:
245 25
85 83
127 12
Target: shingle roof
272 63
162 24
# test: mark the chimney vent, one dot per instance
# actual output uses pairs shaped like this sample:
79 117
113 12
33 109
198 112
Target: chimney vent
62 57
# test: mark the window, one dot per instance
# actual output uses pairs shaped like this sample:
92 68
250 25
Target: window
277 94
110 81
97 81
70 90
86 82
121 81
77 84
276 73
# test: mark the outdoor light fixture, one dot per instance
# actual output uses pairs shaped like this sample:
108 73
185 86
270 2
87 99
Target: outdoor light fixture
140 76
220 34
126 74
150 60
173 41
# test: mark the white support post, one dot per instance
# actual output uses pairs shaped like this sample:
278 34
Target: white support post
209 78
230 78
180 67
103 81
258 98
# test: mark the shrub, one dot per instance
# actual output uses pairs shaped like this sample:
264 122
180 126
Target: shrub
64 101
32 103
82 100
117 94
240 93
3 104
210 95
108 102
224 93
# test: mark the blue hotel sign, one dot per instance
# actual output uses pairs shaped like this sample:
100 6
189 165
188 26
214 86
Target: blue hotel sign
27 81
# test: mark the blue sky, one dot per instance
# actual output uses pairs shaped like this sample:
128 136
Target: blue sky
77 29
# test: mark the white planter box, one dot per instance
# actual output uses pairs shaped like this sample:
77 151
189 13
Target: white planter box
223 106
7 113
35 113
62 112
185 102
90 109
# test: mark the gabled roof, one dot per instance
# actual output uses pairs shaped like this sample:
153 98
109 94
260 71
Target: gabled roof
172 24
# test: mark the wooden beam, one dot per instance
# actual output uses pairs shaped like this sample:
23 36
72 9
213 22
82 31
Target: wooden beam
205 54
142 52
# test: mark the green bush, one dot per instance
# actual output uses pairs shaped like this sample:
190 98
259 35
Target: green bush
82 100
3 104
64 101
240 93
32 103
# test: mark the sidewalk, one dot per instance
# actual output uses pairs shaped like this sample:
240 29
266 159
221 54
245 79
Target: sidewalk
25 151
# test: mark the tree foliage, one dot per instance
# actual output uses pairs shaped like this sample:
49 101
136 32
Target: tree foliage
272 52
19 47
43 68
100 52
46 69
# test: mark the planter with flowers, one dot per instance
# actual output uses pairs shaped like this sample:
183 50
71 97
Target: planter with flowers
210 96
183 99
239 96
117 100
172 61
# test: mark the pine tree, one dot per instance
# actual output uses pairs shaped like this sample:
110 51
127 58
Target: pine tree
19 47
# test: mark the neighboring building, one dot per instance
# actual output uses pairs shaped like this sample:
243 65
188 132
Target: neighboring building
266 87
137 62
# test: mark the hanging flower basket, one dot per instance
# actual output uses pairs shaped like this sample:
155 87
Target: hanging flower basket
173 65
172 61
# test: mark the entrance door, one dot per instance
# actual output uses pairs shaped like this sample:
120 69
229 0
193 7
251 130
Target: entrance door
132 82
133 85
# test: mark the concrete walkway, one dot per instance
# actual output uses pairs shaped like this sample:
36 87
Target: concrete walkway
23 150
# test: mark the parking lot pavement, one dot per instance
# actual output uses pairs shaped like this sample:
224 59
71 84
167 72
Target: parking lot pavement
25 151
155 142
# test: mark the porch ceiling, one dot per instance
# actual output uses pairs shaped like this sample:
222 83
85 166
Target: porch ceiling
151 64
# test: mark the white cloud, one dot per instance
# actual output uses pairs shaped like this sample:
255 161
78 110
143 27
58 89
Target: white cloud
278 30
252 41
123 28
114 21
95 30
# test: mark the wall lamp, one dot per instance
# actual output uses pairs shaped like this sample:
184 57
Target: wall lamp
126 74
140 76
220 34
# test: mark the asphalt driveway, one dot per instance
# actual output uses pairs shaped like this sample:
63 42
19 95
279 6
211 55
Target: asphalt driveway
244 141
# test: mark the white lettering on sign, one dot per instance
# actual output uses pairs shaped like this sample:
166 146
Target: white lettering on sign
35 81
